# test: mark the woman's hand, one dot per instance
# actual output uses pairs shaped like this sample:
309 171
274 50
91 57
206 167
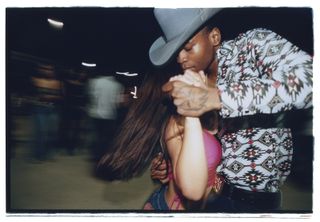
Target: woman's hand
159 169
192 78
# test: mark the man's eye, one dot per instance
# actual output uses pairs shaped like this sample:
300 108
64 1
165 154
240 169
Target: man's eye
188 48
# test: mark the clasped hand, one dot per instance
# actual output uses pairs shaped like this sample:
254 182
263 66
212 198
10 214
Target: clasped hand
191 94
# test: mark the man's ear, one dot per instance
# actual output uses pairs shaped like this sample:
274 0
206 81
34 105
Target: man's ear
215 36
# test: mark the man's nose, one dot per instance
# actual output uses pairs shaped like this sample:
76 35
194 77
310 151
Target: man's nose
182 57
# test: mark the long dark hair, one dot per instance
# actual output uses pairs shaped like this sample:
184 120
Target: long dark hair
138 138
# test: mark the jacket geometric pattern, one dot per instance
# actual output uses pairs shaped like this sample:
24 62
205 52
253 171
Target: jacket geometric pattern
260 73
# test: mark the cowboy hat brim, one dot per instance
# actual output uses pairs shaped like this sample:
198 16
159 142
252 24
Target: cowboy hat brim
161 51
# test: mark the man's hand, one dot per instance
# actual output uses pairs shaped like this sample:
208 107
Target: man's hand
159 169
192 99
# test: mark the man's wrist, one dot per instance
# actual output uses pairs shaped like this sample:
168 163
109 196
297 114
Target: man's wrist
214 102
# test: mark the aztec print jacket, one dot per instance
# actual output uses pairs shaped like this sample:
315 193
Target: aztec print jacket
260 76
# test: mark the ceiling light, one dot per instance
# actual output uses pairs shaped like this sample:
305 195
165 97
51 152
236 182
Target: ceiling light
55 23
89 64
134 93
127 73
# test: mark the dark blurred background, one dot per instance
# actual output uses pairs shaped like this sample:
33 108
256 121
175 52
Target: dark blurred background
115 39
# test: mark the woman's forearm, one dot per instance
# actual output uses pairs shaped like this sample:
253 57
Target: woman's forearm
191 169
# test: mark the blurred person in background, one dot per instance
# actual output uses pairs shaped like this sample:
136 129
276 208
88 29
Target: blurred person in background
47 94
104 93
73 110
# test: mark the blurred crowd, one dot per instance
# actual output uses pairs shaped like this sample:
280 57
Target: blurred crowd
68 111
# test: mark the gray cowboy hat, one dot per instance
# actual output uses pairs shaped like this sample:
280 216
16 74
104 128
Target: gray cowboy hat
178 25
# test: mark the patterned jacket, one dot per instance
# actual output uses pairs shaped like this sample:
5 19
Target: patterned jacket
260 76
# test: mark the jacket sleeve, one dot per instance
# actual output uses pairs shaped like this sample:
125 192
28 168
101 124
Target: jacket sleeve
281 78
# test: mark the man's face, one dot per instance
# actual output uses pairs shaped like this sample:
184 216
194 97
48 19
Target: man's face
198 53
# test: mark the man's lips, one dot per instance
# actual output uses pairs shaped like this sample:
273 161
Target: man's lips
187 67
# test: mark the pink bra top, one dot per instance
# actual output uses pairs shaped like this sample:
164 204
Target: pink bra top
213 154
